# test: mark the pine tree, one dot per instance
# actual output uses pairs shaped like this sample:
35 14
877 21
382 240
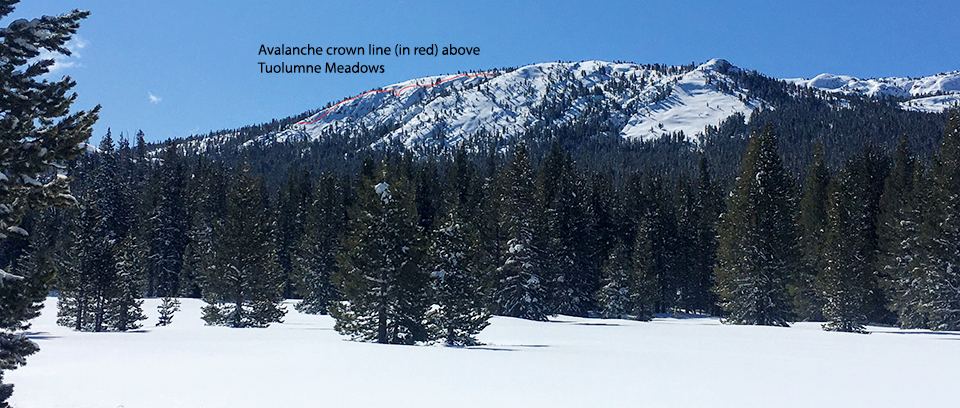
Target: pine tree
685 208
197 257
572 282
126 307
168 226
630 287
108 192
100 285
939 267
428 194
659 227
459 312
898 232
758 251
616 297
207 192
848 281
294 199
243 286
707 209
601 212
521 290
168 306
464 185
487 219
90 279
316 261
812 222
646 287
384 286
141 147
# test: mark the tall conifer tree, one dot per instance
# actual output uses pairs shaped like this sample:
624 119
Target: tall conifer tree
707 210
848 281
168 226
617 295
812 222
898 232
758 251
243 286
296 195
316 260
207 194
940 236
522 288
566 250
460 311
381 276
659 227
646 287
90 280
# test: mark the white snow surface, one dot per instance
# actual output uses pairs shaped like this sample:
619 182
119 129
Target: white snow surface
566 362
692 106
507 103
643 103
929 94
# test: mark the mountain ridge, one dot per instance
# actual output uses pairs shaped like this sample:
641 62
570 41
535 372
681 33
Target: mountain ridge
608 105
932 93
646 102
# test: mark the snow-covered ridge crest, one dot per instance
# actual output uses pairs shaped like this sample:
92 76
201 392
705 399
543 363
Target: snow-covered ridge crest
932 93
645 102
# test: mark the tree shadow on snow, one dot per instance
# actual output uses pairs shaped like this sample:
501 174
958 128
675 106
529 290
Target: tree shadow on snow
486 348
929 333
682 316
40 336
502 347
583 323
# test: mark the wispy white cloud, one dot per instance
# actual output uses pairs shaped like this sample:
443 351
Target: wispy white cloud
76 44
61 61
154 98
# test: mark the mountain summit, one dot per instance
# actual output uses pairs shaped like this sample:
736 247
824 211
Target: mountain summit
637 102
646 101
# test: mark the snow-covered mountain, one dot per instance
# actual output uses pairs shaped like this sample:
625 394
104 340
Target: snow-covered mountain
639 102
927 94
645 102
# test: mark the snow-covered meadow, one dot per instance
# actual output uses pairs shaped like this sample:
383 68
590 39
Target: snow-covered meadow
567 362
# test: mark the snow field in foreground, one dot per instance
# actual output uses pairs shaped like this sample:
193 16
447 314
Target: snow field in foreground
567 362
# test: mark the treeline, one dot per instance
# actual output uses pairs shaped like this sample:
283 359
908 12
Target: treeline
513 238
408 250
876 242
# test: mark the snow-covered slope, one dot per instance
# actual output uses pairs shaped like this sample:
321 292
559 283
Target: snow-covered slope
929 94
645 102
640 102
566 362
694 103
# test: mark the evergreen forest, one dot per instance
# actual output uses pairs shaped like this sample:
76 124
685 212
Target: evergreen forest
408 248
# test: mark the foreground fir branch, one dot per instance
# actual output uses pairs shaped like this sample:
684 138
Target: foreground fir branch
38 136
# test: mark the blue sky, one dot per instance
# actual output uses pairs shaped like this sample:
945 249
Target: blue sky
173 68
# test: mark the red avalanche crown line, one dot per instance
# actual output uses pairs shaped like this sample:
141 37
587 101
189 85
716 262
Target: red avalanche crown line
395 92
